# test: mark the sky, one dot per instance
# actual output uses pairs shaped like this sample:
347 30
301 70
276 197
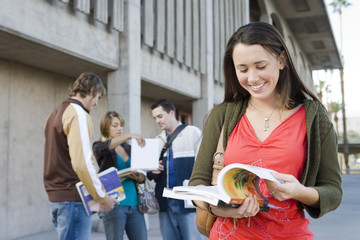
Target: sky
351 53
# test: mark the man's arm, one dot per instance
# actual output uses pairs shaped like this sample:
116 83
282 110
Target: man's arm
77 127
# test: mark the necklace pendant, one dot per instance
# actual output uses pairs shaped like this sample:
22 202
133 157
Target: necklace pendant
266 119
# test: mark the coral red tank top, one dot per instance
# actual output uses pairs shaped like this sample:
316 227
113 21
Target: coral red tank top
284 151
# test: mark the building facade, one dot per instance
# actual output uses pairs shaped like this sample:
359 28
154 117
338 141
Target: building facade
143 50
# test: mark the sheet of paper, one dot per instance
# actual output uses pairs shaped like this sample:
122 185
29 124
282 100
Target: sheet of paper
147 157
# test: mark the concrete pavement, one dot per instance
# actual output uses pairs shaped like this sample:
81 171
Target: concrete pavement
98 232
341 224
344 222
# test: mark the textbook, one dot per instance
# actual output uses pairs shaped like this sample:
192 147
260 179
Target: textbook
113 187
124 173
234 184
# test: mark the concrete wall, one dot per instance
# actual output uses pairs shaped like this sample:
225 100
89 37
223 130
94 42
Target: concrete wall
27 96
162 72
55 25
149 129
4 135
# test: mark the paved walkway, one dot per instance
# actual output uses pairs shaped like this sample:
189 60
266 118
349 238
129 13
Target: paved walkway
344 222
341 224
98 234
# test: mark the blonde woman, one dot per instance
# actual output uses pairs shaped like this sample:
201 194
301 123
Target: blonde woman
113 151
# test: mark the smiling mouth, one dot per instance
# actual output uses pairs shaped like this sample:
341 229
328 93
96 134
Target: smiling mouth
257 86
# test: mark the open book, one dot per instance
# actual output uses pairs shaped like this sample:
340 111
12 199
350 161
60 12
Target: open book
142 158
124 173
234 184
113 187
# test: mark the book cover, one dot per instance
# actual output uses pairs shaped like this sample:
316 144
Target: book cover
113 187
234 184
147 157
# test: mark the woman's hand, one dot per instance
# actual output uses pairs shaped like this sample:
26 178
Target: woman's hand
249 208
138 177
290 188
125 137
140 139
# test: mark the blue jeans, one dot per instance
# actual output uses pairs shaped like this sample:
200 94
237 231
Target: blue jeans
175 225
70 220
124 218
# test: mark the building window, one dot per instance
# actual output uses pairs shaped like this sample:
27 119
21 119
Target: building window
184 116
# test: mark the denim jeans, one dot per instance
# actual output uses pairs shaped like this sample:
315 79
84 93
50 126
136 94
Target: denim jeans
124 218
177 226
70 220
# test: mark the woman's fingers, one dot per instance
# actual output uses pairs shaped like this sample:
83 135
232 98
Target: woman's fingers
141 141
249 208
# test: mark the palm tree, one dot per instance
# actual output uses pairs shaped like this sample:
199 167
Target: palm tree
337 7
334 108
320 89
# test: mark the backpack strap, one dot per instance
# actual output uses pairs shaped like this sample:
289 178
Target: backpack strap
171 139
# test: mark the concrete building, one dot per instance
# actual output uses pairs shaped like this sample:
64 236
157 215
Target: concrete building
143 50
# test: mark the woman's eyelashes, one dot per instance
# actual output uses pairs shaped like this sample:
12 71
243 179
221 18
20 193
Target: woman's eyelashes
244 70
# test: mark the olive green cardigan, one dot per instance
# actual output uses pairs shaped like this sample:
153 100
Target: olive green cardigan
321 170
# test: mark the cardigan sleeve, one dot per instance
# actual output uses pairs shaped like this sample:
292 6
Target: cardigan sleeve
325 174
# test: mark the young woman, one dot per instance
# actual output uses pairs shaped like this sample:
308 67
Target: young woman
271 120
113 151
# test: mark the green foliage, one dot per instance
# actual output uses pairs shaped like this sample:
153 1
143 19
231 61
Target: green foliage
335 107
339 4
322 88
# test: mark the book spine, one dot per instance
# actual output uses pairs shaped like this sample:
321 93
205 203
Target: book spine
223 204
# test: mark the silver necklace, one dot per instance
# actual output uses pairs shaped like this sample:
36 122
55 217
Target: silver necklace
266 119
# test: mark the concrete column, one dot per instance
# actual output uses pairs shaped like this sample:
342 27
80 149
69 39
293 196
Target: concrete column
124 84
206 102
266 18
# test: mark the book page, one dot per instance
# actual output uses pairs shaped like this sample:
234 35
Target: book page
187 203
188 196
147 157
239 180
127 171
260 172
206 191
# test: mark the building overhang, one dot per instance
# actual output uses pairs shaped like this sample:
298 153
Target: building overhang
309 22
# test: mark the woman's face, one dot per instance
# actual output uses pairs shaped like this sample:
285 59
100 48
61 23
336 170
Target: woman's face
116 128
257 70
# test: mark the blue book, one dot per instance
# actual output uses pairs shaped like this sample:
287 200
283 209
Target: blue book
113 187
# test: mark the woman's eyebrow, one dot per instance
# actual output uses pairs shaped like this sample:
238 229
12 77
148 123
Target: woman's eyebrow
244 65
